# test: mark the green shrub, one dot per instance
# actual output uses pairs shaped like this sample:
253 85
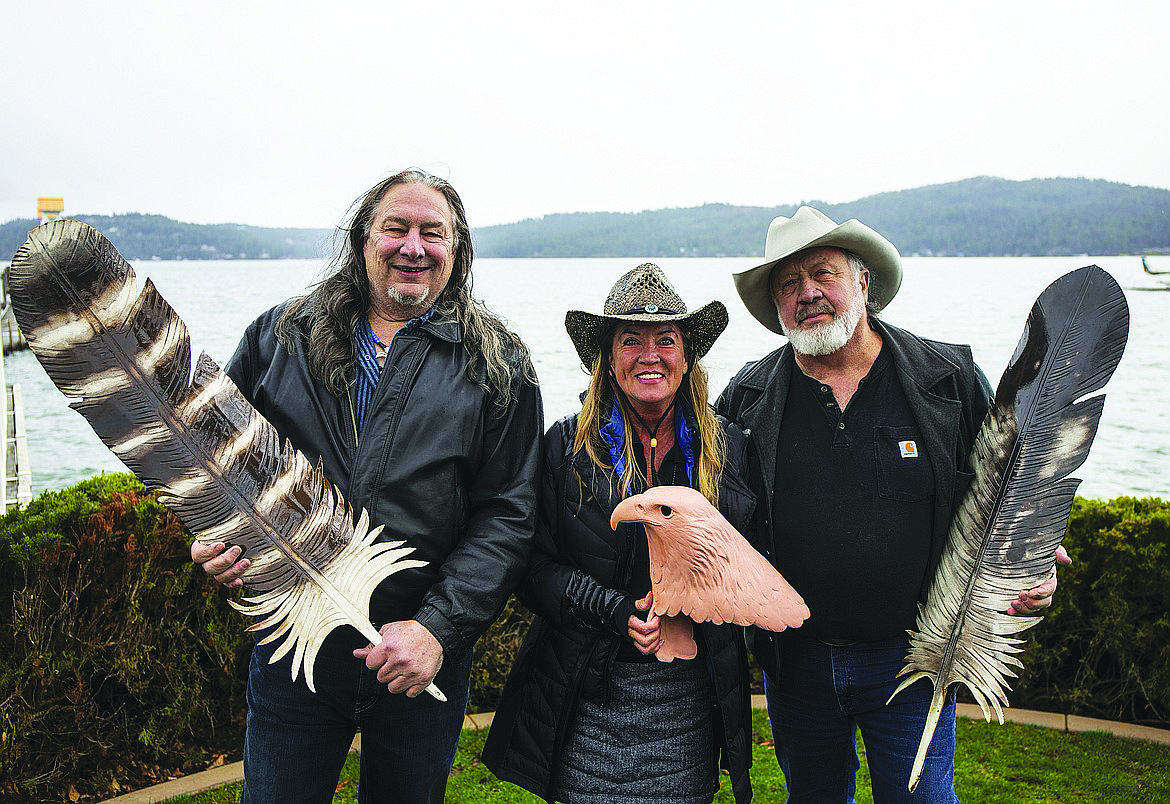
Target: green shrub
494 654
1104 647
120 660
115 662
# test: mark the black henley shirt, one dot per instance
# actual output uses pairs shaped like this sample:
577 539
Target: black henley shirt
853 506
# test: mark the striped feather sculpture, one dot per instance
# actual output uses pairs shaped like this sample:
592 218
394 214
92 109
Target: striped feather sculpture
123 358
1005 532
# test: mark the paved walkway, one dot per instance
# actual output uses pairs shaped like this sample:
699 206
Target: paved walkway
217 777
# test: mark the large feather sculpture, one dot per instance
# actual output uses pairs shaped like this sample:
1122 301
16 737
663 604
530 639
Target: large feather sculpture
1006 530
123 358
703 568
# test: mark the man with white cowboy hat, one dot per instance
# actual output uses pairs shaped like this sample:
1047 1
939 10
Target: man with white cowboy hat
863 432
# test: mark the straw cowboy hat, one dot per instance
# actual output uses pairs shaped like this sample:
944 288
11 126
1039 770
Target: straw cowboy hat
809 228
644 295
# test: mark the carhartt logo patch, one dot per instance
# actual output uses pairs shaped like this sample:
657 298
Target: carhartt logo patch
908 449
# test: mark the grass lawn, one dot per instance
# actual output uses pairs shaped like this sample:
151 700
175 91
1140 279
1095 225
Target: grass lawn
993 763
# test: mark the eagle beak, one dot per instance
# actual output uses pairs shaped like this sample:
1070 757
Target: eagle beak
628 510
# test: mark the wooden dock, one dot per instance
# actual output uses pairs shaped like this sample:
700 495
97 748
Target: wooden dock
17 486
11 338
16 477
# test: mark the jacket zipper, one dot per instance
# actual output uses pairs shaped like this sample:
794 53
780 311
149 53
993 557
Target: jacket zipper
352 420
575 694
769 540
625 551
391 426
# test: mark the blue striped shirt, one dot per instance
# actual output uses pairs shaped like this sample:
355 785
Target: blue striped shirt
368 370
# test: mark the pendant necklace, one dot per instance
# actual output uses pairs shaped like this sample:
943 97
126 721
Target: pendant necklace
380 348
653 439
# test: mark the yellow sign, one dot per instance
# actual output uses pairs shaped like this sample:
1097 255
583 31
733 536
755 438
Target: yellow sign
49 208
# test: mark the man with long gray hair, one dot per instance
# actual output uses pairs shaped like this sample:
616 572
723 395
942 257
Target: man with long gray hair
423 408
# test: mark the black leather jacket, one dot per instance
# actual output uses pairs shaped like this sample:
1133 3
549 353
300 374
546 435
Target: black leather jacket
949 398
436 463
572 588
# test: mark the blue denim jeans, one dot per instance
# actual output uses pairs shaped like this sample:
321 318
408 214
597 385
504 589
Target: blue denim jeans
297 740
825 693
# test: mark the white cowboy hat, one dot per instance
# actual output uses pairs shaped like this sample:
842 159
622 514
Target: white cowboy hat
809 228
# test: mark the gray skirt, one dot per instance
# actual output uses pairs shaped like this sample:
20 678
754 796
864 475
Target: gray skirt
652 741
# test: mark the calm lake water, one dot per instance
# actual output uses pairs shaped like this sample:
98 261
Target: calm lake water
981 301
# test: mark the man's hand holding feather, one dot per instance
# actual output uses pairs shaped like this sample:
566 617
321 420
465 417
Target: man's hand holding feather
407 659
1035 600
224 565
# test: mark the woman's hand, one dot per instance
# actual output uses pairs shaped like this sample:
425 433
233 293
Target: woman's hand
646 634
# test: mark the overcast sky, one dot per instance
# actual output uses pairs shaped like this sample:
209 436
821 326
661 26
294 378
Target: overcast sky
280 114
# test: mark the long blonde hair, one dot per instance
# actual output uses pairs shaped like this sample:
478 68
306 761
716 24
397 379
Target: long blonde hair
712 446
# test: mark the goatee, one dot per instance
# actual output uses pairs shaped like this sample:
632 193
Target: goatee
408 301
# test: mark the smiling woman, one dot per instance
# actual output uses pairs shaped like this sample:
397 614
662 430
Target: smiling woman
648 363
595 657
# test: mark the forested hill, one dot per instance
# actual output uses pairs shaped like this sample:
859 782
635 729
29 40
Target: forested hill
980 216
145 237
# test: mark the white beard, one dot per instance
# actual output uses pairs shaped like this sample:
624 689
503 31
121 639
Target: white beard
824 339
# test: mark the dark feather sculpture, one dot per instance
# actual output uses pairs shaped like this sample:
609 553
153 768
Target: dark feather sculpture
1006 530
123 358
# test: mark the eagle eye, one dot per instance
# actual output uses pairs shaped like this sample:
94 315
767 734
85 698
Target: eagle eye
666 511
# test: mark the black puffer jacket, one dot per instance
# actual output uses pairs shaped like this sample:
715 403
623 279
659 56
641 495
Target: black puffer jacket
572 587
436 464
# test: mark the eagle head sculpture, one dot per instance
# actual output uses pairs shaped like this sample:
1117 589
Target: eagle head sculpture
701 567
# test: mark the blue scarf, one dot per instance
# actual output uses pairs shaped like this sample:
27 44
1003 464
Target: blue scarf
613 433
